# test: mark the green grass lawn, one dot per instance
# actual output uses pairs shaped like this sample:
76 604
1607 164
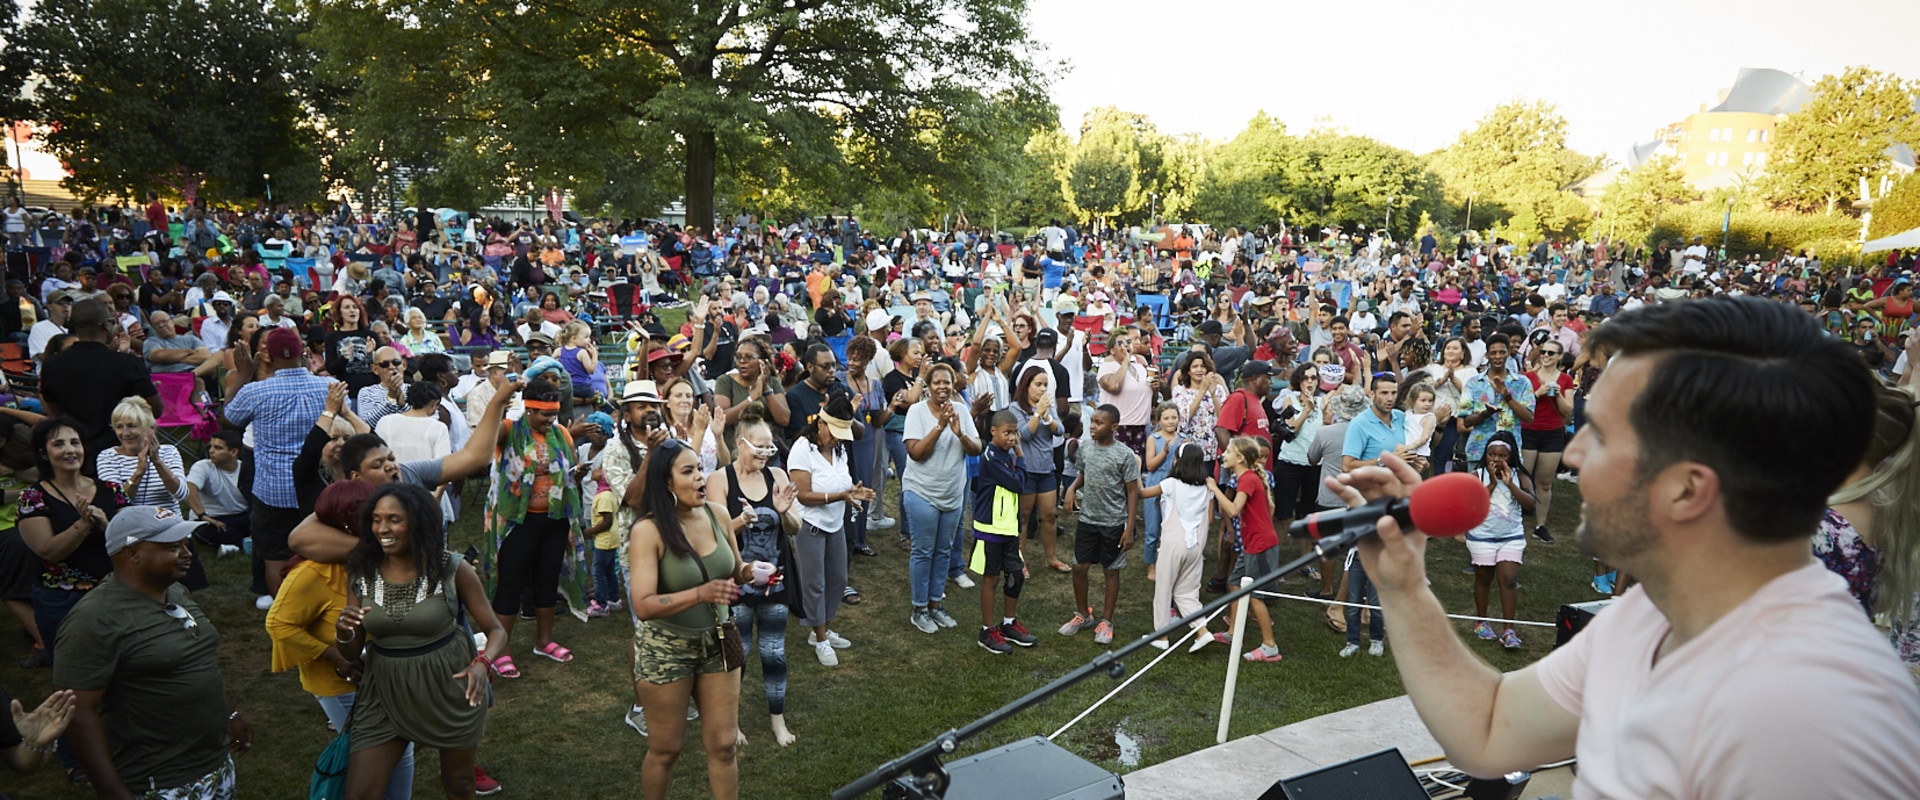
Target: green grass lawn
557 731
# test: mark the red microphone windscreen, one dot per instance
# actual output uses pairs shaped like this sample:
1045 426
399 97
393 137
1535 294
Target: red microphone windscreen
1448 504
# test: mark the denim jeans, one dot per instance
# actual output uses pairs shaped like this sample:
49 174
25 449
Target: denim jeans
50 607
606 588
896 454
928 562
957 554
400 784
1150 516
1360 589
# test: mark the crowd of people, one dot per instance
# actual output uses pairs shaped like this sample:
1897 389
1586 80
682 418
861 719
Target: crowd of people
355 382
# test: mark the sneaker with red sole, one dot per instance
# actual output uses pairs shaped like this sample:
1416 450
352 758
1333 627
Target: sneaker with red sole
483 785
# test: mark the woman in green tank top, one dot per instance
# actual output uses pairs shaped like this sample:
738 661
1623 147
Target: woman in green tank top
685 572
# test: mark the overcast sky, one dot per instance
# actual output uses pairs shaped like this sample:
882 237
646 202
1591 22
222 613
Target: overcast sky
1415 73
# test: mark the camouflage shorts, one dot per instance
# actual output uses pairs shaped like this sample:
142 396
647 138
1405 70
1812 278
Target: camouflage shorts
661 656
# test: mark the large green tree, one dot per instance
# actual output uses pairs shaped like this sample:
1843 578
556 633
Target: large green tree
1842 135
183 97
1324 178
1516 166
534 93
1632 205
1897 211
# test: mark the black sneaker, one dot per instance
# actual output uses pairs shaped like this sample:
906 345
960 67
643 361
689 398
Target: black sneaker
1016 633
1540 532
1216 586
996 644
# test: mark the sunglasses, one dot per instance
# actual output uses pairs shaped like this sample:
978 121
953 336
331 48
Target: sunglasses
187 622
390 363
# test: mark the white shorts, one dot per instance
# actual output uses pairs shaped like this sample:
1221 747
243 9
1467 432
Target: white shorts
1487 554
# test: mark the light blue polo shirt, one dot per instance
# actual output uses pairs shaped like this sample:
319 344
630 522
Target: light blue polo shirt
1368 437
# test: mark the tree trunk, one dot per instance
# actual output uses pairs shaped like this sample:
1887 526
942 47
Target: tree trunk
701 154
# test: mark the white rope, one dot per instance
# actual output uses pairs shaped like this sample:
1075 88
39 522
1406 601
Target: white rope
1136 676
1377 608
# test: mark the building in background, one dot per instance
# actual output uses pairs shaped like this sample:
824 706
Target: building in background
1722 146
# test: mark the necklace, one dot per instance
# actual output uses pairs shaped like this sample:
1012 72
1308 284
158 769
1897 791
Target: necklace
402 601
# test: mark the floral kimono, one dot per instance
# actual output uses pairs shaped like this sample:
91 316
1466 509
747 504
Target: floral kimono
514 470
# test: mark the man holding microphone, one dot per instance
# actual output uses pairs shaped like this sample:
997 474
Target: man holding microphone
1738 650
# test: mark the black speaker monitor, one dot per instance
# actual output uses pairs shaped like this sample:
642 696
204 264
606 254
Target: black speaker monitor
1380 776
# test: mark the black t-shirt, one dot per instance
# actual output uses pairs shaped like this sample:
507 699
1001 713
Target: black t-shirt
86 381
434 307
804 401
832 323
892 385
726 337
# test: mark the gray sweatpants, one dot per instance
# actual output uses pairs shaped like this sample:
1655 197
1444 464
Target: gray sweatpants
822 559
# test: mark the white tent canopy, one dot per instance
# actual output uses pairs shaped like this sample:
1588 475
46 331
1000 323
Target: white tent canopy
1906 240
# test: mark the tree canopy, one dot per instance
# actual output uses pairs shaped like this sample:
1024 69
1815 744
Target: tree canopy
1515 164
189 97
1845 133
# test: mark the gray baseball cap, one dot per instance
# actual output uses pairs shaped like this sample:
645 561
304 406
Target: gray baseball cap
136 524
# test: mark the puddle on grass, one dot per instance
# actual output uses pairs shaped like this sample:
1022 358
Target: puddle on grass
1129 747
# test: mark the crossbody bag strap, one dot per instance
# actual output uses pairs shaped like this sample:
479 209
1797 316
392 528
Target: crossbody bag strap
702 563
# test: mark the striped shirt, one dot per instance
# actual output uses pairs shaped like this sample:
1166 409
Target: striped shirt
152 491
280 409
372 403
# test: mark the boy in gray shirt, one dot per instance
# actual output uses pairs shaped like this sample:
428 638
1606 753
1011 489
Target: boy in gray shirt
1109 482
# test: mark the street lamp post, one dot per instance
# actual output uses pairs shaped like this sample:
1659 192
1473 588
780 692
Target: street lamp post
267 178
1470 196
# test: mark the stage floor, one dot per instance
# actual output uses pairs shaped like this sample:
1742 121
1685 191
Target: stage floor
1244 768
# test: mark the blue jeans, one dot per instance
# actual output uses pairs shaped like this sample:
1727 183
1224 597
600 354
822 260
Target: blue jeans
862 454
957 554
1150 515
1360 590
606 588
50 607
928 562
896 455
400 784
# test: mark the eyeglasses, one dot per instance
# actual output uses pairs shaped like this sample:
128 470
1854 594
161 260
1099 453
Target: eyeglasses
187 622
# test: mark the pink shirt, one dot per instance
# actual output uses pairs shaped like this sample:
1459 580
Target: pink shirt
1792 694
1135 399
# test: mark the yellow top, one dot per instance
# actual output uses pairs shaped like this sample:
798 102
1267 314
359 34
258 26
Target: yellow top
606 503
301 625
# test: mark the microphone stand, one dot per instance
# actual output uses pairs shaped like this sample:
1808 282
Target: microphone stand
925 778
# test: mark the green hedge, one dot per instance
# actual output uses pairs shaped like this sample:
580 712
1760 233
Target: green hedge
1835 238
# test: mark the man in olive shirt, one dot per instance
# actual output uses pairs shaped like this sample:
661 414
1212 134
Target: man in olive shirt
152 712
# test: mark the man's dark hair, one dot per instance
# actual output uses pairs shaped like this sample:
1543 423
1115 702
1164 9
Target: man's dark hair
230 438
1109 411
1394 318
354 450
1755 391
89 317
1340 321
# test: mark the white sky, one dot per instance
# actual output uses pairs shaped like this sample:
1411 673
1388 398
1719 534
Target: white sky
1415 73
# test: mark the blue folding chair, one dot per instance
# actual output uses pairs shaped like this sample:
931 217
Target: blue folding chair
1155 304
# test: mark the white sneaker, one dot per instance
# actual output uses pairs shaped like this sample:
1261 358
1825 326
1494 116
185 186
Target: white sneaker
1349 650
229 549
828 658
263 602
881 523
1378 648
963 581
833 638
1159 644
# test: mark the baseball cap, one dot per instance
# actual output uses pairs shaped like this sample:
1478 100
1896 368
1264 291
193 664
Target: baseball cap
1211 327
1065 304
284 343
1255 369
1046 337
135 524
878 320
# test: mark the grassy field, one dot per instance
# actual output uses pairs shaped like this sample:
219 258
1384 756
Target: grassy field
557 732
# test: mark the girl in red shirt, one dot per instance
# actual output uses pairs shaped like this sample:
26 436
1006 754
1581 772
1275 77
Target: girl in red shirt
1252 509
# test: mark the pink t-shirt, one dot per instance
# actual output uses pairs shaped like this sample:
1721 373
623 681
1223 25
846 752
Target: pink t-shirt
1135 399
1792 694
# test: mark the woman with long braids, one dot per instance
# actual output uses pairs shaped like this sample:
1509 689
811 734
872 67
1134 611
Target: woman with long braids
401 635
685 573
760 499
529 539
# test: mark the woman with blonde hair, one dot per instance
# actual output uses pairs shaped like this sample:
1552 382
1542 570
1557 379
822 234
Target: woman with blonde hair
151 472
1871 534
